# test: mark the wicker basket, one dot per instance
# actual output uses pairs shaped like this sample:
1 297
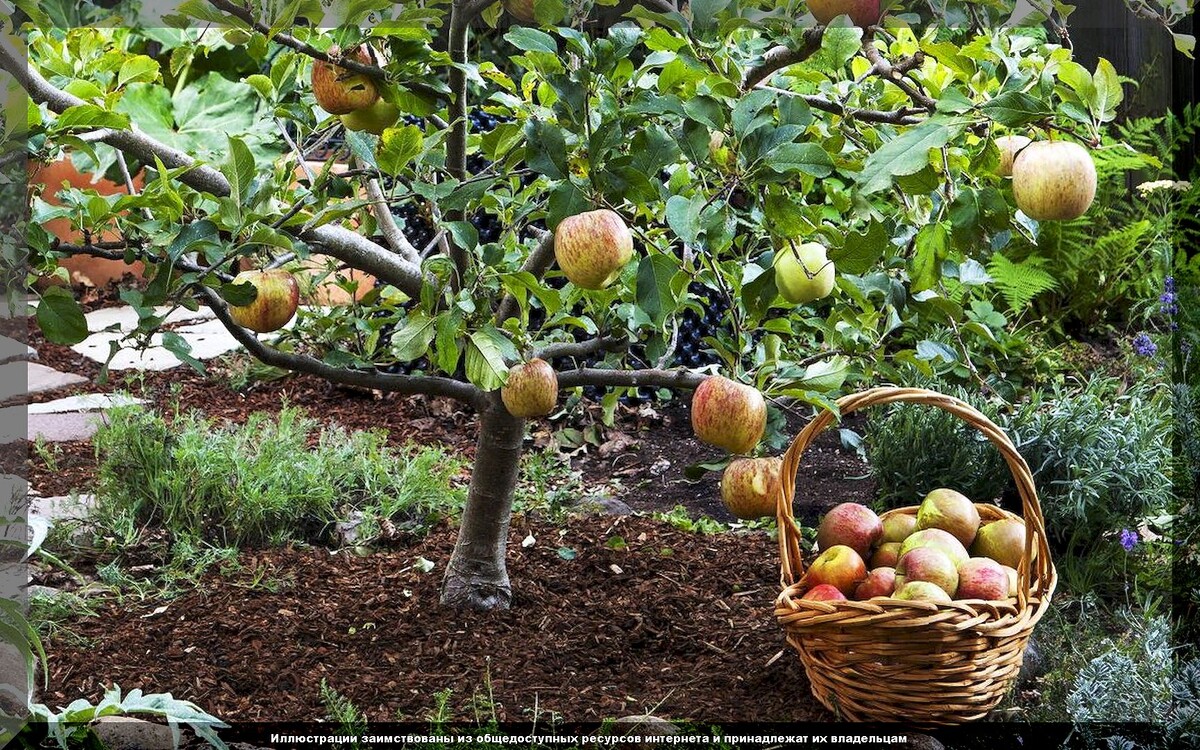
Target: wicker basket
919 663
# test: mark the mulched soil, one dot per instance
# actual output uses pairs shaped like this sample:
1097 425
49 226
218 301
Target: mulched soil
677 624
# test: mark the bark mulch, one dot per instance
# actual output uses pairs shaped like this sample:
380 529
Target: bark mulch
641 618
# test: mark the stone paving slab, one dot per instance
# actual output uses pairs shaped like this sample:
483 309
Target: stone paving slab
208 341
62 428
17 378
86 402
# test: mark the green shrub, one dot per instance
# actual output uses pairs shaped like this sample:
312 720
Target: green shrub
272 480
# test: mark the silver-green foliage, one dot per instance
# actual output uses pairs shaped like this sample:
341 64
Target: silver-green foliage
70 725
271 480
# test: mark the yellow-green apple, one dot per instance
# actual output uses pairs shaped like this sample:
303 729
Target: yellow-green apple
375 118
592 247
922 591
942 541
750 487
275 302
531 389
340 91
803 273
862 12
840 567
927 564
879 582
851 524
824 593
522 10
950 511
1003 541
897 527
728 415
721 154
982 578
1054 180
886 555
1010 146
1012 580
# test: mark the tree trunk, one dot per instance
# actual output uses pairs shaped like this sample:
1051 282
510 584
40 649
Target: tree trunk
476 576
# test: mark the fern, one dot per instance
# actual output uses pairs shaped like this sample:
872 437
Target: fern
1021 282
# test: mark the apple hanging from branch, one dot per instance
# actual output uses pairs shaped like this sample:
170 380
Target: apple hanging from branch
531 389
803 273
277 295
375 118
340 91
592 247
750 487
862 12
1054 180
728 415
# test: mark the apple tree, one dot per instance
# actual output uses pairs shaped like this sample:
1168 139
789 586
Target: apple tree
537 191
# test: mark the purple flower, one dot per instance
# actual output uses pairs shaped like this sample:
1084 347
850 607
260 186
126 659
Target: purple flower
1169 285
1143 346
1128 539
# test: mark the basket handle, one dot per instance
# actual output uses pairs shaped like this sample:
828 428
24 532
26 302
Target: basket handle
791 559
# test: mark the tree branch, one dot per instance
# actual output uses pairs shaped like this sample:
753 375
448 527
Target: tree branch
896 73
387 223
675 379
538 262
902 116
116 251
461 13
582 349
407 384
343 244
778 58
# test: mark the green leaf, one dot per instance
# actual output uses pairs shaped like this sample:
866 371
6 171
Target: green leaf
138 69
61 318
566 553
932 247
808 158
932 350
487 350
240 294
412 339
239 169
862 251
398 147
1109 93
447 340
704 12
262 84
179 346
683 216
1016 108
1185 44
90 116
907 153
531 40
545 149
654 277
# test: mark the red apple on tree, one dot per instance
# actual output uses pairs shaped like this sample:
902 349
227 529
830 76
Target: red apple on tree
927 564
803 273
531 389
982 578
592 247
1054 180
879 582
750 487
1003 541
851 524
950 511
277 295
728 415
862 12
840 567
340 91
824 593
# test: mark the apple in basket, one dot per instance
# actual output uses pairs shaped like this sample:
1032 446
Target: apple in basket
840 567
1003 541
941 540
879 582
922 591
982 578
886 556
897 527
1012 579
950 511
824 593
854 525
930 565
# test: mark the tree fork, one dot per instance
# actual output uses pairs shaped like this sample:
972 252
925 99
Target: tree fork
477 576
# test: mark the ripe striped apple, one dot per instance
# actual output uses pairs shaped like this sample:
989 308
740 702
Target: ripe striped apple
943 541
922 591
278 296
824 593
886 556
897 527
950 511
750 487
803 273
879 582
862 12
851 524
1010 146
840 567
728 415
1054 180
591 248
927 564
982 578
340 91
531 389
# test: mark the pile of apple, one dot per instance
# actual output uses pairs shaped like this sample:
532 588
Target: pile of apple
942 554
